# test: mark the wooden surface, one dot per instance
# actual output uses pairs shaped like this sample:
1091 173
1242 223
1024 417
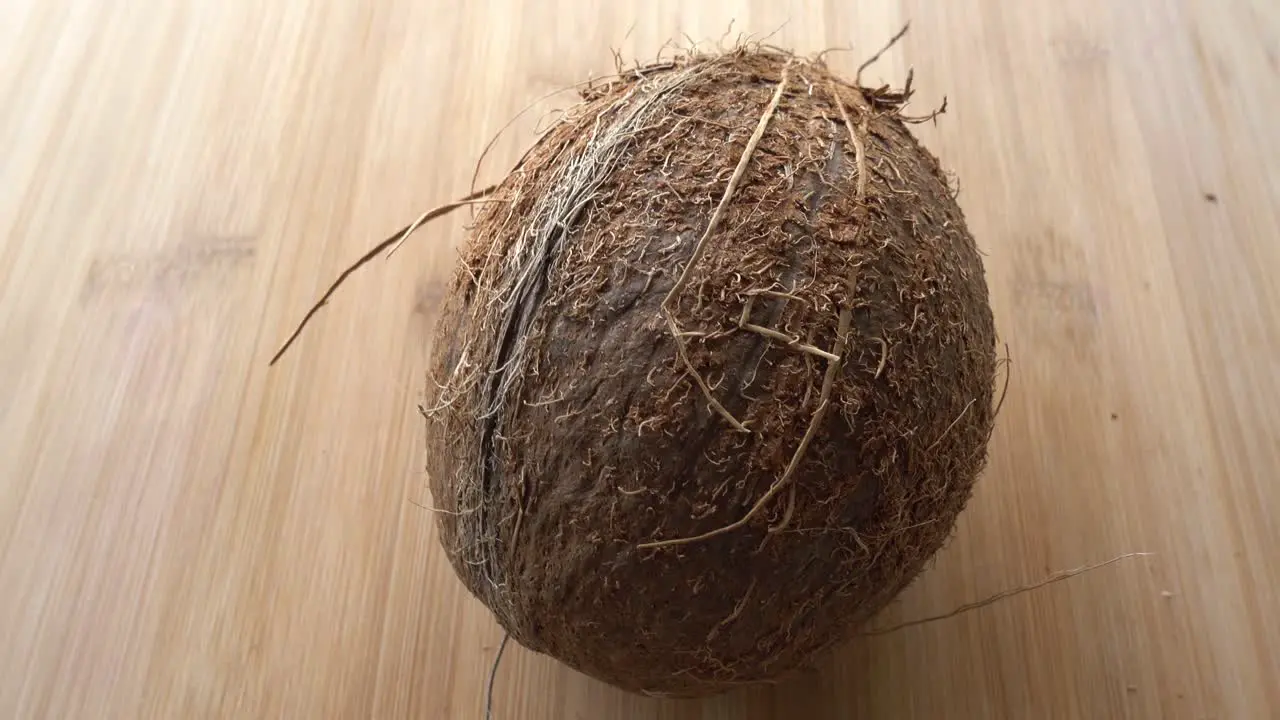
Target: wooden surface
185 533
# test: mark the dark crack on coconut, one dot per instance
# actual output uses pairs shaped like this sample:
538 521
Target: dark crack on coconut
574 458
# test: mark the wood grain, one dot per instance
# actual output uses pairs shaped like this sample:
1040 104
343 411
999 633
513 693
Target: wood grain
187 534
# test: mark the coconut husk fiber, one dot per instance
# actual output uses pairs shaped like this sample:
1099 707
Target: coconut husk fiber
714 376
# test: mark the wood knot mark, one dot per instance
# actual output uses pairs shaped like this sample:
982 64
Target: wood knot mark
196 260
428 297
1076 49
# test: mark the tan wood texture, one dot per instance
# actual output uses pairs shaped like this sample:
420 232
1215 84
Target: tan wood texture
185 533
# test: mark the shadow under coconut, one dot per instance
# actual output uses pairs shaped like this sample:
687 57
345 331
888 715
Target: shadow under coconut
866 678
844 684
903 673
841 687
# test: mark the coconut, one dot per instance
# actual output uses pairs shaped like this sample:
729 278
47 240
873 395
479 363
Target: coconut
714 376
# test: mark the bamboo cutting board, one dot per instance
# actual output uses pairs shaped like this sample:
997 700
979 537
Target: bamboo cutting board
185 533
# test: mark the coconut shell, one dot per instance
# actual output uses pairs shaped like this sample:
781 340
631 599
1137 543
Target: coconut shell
714 376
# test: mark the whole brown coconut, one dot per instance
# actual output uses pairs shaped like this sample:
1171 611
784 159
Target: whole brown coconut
714 377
